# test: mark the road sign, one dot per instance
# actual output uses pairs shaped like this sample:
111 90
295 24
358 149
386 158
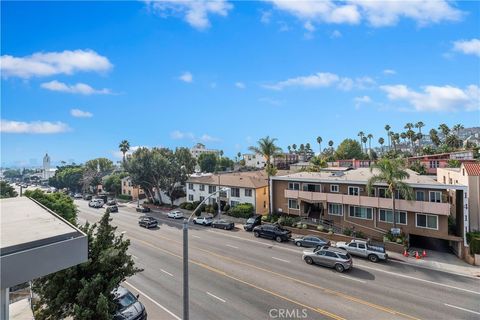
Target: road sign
395 231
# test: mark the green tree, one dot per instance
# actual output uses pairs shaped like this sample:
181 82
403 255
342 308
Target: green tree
370 137
317 163
453 163
268 149
419 125
224 164
361 135
445 130
457 129
103 165
381 141
391 172
319 141
387 128
418 167
84 291
6 190
113 183
12 174
294 147
141 169
434 137
207 162
68 176
58 202
184 158
330 143
349 149
124 146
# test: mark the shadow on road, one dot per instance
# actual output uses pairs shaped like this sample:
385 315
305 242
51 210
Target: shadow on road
361 274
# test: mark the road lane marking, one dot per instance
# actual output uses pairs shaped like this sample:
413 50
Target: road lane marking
350 278
134 257
171 275
155 302
195 236
229 245
467 310
281 260
422 280
218 298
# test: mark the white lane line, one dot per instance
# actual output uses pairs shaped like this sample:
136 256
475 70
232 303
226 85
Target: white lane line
212 295
229 245
195 236
281 259
471 311
134 257
155 302
350 278
171 275
422 280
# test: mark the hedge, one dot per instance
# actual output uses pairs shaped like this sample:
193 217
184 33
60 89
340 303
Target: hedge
243 210
472 234
124 197
475 245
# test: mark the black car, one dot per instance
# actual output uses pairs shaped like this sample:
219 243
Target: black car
223 224
111 202
127 305
112 208
87 197
148 222
143 209
272 232
311 242
252 222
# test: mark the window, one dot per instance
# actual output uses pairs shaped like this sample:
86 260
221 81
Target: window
190 197
434 164
398 195
129 192
435 196
202 198
264 190
353 191
311 187
235 192
352 245
419 195
234 203
382 192
427 221
190 186
330 254
248 192
387 216
202 187
264 204
124 183
361 212
212 189
361 246
334 188
293 204
293 186
335 209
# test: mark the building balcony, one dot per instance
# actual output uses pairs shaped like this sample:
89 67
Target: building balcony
374 202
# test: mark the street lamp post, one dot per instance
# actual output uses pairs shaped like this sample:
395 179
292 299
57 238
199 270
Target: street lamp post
185 255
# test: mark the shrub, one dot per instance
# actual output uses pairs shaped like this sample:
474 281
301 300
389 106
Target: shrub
304 226
182 205
215 206
264 218
399 241
472 234
125 197
347 232
475 245
320 228
195 204
360 234
189 206
243 210
226 207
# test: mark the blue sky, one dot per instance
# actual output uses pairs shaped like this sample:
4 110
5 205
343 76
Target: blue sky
77 78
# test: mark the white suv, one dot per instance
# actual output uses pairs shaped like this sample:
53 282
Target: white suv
206 221
96 203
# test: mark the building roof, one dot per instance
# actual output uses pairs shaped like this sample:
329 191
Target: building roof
445 155
473 169
249 179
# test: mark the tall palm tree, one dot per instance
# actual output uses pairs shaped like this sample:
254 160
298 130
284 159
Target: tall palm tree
289 149
364 140
457 128
294 147
361 134
268 149
434 137
445 131
124 146
319 141
330 143
387 128
392 173
381 141
419 125
370 137
403 136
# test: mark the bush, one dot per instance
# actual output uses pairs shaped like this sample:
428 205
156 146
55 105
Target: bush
304 226
288 220
264 218
182 205
320 228
475 245
243 210
347 232
215 207
125 197
472 234
226 207
189 206
360 234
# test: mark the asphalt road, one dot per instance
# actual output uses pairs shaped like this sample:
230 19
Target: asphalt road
234 275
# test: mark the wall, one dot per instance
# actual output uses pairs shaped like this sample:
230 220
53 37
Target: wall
261 196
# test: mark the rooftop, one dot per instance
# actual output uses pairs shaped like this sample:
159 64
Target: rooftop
473 169
248 179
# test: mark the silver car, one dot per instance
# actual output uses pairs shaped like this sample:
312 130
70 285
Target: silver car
329 257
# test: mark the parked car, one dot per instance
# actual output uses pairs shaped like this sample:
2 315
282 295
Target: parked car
272 232
329 257
252 222
111 202
175 214
148 222
223 224
78 196
373 251
311 241
112 209
143 209
87 197
127 305
96 203
206 221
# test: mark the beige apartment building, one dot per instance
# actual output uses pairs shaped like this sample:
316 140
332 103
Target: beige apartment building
129 189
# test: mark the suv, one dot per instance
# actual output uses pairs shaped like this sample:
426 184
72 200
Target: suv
111 202
111 209
329 257
148 222
252 222
373 251
143 209
96 203
87 197
272 232
127 305
206 221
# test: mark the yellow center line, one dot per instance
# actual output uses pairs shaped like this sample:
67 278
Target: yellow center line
326 290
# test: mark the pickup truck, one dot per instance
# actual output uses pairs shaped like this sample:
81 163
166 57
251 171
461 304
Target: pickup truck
373 251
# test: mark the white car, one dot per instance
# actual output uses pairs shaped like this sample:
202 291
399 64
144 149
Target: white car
96 203
175 214
206 221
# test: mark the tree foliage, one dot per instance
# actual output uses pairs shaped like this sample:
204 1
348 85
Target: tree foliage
6 190
12 174
349 149
113 183
69 176
58 202
103 165
418 167
207 162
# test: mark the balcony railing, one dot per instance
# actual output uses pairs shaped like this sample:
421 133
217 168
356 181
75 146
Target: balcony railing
364 201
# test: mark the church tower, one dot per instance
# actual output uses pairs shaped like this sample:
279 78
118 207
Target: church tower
46 166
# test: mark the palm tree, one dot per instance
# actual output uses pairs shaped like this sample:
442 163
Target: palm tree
124 146
268 149
403 136
301 150
294 147
434 137
419 125
387 128
445 130
457 128
319 141
381 141
391 172
221 153
361 134
330 143
364 140
289 149
370 137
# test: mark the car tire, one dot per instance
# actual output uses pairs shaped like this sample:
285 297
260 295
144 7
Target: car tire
309 260
373 258
256 234
298 244
339 268
225 228
194 222
278 239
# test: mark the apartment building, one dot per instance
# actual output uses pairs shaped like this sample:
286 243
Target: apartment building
434 161
129 189
467 175
254 160
200 148
340 198
351 163
245 187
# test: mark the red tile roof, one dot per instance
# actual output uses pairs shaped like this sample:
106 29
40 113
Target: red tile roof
473 169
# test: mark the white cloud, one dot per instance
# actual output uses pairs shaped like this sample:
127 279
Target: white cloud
436 98
77 113
181 135
323 79
118 154
336 34
195 13
78 88
207 138
468 46
389 71
376 13
35 127
361 100
309 26
273 102
186 77
240 85
265 17
42 64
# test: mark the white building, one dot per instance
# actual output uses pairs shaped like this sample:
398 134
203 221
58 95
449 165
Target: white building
199 149
254 160
47 172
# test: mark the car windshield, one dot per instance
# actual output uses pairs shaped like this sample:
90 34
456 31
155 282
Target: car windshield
251 220
344 256
125 301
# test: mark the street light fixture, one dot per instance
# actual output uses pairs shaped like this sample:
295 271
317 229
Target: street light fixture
185 254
